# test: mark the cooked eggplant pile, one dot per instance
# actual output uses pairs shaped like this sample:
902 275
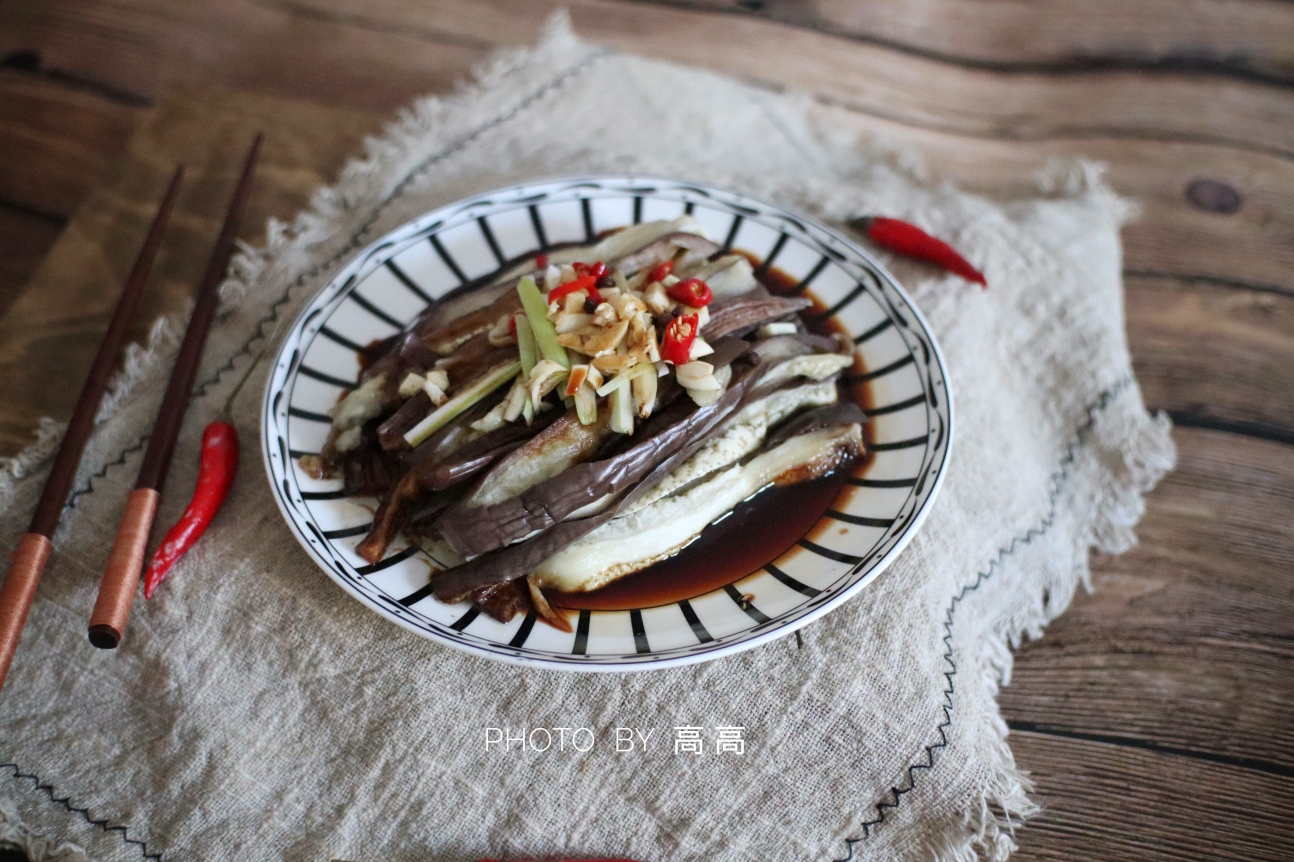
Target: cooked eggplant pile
587 413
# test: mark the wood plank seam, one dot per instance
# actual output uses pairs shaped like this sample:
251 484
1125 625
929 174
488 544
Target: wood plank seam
311 13
34 212
1150 745
1214 280
1057 482
1257 430
1075 133
1169 63
66 802
29 62
355 242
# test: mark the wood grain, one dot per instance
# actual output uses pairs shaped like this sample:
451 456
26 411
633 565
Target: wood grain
92 36
55 326
1165 695
1172 236
977 126
1104 801
58 140
1214 353
1243 39
152 47
25 239
1185 641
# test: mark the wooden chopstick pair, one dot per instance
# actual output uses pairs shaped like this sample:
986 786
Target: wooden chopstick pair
32 553
126 562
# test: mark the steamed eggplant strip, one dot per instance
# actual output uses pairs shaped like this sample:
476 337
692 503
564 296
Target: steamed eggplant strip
842 413
728 277
731 316
452 437
743 434
477 455
633 541
388 519
698 248
446 339
390 434
478 530
369 472
560 446
438 472
514 561
503 601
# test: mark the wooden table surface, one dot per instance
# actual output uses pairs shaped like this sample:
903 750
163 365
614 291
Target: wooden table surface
1155 715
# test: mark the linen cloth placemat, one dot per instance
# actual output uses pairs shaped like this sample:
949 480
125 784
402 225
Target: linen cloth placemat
257 712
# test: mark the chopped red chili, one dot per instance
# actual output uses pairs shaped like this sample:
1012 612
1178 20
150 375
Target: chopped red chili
659 273
584 282
679 338
597 270
693 292
512 326
541 261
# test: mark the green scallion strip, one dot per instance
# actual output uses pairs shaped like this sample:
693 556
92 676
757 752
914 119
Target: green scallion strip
622 407
478 389
628 374
526 345
536 306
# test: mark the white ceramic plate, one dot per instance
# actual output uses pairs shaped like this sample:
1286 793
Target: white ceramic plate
385 286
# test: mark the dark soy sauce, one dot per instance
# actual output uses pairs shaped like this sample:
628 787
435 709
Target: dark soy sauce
754 534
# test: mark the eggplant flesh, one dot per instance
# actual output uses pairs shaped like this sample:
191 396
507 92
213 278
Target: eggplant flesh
552 451
631 542
728 277
746 434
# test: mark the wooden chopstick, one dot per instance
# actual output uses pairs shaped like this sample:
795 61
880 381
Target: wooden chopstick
126 562
33 549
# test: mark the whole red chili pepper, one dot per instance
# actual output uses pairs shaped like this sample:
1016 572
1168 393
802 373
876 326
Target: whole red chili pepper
216 470
216 474
910 240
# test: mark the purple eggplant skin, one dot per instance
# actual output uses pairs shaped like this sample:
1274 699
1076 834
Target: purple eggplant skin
503 601
664 249
842 413
742 313
367 471
468 461
391 432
